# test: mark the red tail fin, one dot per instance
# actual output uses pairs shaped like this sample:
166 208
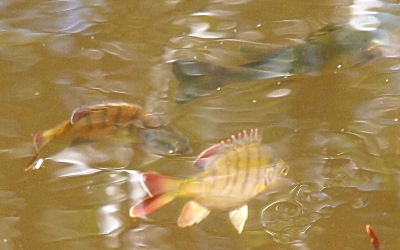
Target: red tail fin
162 190
158 184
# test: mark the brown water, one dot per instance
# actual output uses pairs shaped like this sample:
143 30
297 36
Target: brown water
338 129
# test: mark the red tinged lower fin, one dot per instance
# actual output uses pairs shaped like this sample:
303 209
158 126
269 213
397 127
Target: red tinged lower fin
161 189
37 140
150 204
158 184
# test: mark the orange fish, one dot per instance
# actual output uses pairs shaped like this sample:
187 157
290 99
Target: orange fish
118 119
233 172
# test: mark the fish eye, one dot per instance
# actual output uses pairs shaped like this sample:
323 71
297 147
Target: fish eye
170 148
284 171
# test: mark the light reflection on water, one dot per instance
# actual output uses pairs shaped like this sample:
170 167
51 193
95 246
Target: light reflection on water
338 128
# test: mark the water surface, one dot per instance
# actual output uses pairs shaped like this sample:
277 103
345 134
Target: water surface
338 128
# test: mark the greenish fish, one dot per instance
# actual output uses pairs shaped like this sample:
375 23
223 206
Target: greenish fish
329 48
233 172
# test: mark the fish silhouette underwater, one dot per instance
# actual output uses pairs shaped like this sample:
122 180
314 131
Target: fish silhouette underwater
119 120
328 48
232 173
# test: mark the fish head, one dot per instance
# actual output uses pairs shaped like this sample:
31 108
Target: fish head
277 169
164 141
272 174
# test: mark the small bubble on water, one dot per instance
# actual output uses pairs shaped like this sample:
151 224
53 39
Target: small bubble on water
359 203
254 101
258 25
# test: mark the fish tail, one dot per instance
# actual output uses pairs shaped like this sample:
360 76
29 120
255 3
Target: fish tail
41 139
161 189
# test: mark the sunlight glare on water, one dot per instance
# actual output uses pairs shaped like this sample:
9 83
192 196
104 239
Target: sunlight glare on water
319 79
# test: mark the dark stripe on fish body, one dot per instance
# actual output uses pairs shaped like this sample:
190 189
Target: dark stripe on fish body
214 172
258 177
243 169
246 178
260 174
232 170
237 172
104 118
228 167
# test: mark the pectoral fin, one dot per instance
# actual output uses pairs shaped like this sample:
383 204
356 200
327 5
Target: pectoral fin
192 213
238 217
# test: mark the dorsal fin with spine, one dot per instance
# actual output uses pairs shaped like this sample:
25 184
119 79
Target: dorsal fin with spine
242 139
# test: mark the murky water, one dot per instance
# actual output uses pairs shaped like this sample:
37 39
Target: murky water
337 125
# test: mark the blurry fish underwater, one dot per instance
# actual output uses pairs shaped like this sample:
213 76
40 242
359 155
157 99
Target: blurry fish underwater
327 48
120 120
233 172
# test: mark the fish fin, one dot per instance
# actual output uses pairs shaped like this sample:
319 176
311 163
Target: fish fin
83 111
374 238
156 184
244 138
238 217
161 190
150 204
192 213
40 140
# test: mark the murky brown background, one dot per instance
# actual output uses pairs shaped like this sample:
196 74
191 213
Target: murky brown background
338 129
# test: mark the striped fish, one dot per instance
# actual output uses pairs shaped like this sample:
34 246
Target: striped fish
121 120
233 172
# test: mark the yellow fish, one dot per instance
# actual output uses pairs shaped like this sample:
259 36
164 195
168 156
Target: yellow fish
233 172
119 119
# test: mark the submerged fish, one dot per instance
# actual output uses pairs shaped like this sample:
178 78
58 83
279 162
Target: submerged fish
331 47
233 172
121 120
